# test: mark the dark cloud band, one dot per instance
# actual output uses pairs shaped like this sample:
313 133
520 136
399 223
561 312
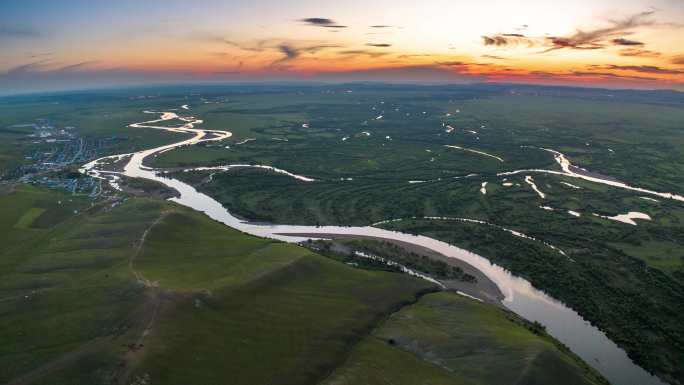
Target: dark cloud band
322 22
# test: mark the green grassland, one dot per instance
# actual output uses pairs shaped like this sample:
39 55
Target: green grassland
29 217
11 154
646 157
64 287
227 258
467 342
275 316
142 290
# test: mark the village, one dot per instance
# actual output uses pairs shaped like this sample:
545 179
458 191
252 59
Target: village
53 155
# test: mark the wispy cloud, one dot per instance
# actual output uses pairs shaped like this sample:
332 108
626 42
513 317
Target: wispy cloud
623 41
314 48
211 37
322 22
289 51
288 48
678 60
379 45
496 40
640 68
258 46
463 66
219 54
591 39
34 66
546 75
34 55
381 26
408 56
508 39
363 52
638 52
493 57
18 32
609 75
595 38
48 66
74 67
292 51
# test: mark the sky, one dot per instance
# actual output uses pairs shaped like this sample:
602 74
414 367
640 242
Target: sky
62 44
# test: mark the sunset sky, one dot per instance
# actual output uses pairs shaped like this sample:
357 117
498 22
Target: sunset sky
63 44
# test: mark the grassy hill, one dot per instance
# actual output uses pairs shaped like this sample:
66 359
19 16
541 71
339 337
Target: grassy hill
460 341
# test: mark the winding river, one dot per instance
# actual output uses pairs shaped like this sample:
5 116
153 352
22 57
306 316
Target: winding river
563 323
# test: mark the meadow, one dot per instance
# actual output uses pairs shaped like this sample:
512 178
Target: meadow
142 291
464 342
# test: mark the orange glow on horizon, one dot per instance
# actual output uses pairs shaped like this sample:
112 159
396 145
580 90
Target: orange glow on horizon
441 41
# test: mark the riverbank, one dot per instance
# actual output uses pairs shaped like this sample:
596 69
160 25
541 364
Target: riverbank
482 288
